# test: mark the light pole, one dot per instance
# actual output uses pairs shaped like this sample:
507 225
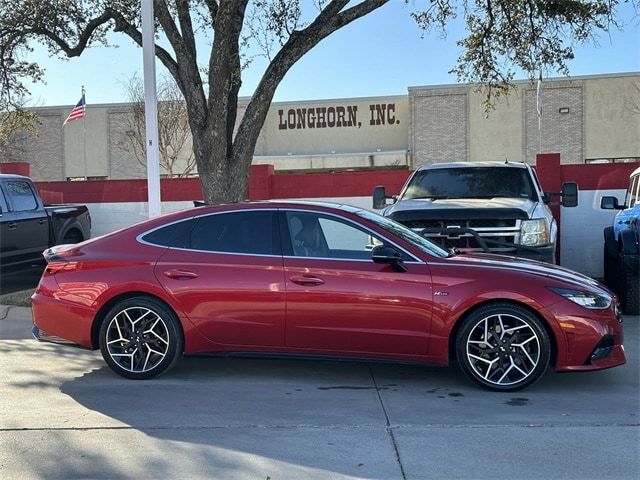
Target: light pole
150 108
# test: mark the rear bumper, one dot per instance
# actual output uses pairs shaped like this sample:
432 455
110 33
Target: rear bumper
42 336
61 321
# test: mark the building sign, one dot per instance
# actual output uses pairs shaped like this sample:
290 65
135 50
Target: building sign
336 117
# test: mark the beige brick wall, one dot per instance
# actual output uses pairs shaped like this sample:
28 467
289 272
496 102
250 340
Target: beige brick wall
561 132
123 163
45 152
439 125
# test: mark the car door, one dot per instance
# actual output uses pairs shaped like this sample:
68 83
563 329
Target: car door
339 300
228 278
25 225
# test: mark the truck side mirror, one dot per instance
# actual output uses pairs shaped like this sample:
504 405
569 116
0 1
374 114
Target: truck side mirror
380 197
569 194
609 203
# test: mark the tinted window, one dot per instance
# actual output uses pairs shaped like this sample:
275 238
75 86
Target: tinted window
322 236
22 197
174 235
482 182
236 232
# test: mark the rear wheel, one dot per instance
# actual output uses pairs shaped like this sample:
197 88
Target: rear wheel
140 338
503 347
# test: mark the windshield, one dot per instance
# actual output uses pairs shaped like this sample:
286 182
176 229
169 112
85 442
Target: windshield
404 233
476 182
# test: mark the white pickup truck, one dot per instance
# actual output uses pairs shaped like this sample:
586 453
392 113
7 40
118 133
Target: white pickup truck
480 206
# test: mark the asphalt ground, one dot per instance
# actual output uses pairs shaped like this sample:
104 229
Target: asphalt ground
63 414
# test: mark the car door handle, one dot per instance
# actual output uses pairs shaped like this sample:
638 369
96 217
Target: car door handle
180 274
41 221
307 280
12 225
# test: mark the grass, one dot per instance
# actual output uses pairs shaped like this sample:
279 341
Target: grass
20 299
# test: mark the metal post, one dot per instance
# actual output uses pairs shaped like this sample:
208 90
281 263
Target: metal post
84 137
150 108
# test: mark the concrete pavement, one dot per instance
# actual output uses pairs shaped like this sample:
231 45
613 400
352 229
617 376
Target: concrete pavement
63 414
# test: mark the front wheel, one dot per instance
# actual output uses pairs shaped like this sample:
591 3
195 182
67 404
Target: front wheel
503 347
141 338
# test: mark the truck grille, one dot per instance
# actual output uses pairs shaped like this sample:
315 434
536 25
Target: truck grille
500 230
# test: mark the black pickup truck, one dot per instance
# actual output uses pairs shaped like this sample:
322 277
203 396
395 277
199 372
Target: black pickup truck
28 227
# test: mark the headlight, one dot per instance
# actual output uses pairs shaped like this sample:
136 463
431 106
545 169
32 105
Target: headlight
534 232
584 299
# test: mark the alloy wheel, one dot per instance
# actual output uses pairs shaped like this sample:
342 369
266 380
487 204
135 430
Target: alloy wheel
503 349
137 339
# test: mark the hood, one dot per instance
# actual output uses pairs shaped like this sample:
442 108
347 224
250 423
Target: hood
518 264
509 206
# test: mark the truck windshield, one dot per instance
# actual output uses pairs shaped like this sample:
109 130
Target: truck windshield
476 182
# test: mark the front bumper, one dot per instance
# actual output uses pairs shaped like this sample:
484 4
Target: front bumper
593 339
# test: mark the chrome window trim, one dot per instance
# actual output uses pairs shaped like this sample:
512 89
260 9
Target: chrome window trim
283 209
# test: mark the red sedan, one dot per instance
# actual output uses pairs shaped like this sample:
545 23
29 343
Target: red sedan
310 279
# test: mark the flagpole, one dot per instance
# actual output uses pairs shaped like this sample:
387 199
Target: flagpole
539 111
84 136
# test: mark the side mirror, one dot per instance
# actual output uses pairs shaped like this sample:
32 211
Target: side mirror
389 256
569 194
546 198
380 197
610 203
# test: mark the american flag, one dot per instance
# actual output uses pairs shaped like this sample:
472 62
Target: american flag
78 111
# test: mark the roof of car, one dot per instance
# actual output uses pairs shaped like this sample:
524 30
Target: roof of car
434 166
288 204
12 175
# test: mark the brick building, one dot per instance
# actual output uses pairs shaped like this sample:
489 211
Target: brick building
585 119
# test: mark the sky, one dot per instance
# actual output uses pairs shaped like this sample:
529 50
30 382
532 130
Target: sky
381 54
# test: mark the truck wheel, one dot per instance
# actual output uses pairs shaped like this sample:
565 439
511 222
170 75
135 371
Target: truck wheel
610 261
628 267
73 236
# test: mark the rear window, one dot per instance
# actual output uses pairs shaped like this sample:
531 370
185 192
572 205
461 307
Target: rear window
477 182
22 197
174 235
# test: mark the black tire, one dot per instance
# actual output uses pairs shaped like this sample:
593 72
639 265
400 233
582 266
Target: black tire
629 280
610 260
517 351
72 236
141 338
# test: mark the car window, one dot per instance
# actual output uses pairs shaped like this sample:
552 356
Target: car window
174 235
324 236
247 232
22 197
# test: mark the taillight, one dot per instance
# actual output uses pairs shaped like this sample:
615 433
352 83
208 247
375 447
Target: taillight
54 267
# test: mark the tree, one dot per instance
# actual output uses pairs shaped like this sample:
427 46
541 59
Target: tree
176 154
504 36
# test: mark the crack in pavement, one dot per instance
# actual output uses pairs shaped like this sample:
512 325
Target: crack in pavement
389 428
5 314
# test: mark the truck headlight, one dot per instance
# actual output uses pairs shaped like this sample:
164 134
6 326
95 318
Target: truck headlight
584 299
534 233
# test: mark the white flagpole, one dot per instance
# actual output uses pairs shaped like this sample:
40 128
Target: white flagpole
539 110
84 136
150 108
